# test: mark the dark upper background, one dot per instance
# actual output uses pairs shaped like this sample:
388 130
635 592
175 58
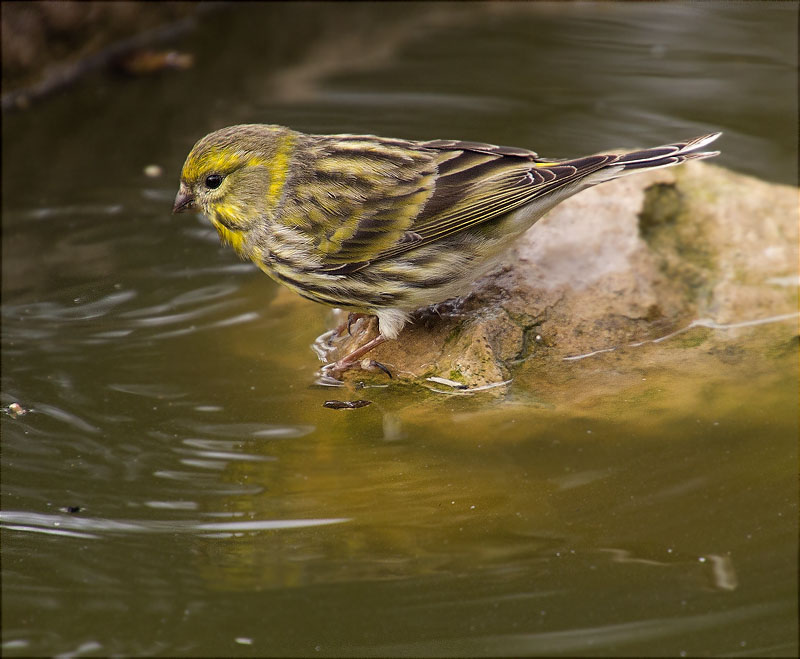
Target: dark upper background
562 79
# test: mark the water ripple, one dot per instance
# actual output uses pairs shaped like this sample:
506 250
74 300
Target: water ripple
80 311
82 527
575 641
239 430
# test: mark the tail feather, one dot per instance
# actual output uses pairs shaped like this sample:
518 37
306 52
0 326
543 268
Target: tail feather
669 154
654 158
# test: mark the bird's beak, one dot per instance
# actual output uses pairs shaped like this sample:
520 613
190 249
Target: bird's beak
184 201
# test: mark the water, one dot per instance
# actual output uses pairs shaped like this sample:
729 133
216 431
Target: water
177 487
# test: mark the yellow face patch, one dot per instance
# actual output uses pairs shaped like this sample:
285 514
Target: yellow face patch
279 169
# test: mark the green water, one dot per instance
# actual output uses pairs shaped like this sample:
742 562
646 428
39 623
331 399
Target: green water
177 487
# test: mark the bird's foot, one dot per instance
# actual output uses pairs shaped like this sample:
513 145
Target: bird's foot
348 361
352 319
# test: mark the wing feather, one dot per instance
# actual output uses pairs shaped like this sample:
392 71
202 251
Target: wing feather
488 191
361 199
356 196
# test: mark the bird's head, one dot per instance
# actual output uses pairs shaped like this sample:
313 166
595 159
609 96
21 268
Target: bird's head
235 176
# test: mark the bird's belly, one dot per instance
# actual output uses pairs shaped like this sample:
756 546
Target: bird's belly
439 272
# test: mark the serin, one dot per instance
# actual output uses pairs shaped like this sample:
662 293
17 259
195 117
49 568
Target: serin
384 226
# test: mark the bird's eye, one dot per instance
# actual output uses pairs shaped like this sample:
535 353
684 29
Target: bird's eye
213 181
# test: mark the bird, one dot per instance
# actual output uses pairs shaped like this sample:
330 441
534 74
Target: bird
385 226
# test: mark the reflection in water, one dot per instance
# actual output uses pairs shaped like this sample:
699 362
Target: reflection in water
723 571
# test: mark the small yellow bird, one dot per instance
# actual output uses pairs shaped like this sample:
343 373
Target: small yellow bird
384 226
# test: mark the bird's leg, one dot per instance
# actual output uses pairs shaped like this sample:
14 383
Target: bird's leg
348 360
325 343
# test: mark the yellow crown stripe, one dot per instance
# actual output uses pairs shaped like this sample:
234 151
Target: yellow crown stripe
215 160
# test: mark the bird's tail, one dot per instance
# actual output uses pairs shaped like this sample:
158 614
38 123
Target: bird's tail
669 154
659 156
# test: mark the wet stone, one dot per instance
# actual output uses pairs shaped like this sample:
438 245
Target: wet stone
630 261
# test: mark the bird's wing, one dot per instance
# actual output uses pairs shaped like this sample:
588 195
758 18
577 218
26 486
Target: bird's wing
477 186
369 199
356 196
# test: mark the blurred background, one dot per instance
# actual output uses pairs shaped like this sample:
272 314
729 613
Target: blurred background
171 483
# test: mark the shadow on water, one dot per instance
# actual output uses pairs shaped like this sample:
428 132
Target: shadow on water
171 483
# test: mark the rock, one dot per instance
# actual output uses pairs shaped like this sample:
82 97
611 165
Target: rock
629 261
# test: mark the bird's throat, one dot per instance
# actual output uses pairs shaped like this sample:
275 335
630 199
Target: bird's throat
229 236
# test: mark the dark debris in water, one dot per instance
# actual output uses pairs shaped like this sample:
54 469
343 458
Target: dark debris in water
346 404
71 509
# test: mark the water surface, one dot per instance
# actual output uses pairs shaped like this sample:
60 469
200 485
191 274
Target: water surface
177 488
